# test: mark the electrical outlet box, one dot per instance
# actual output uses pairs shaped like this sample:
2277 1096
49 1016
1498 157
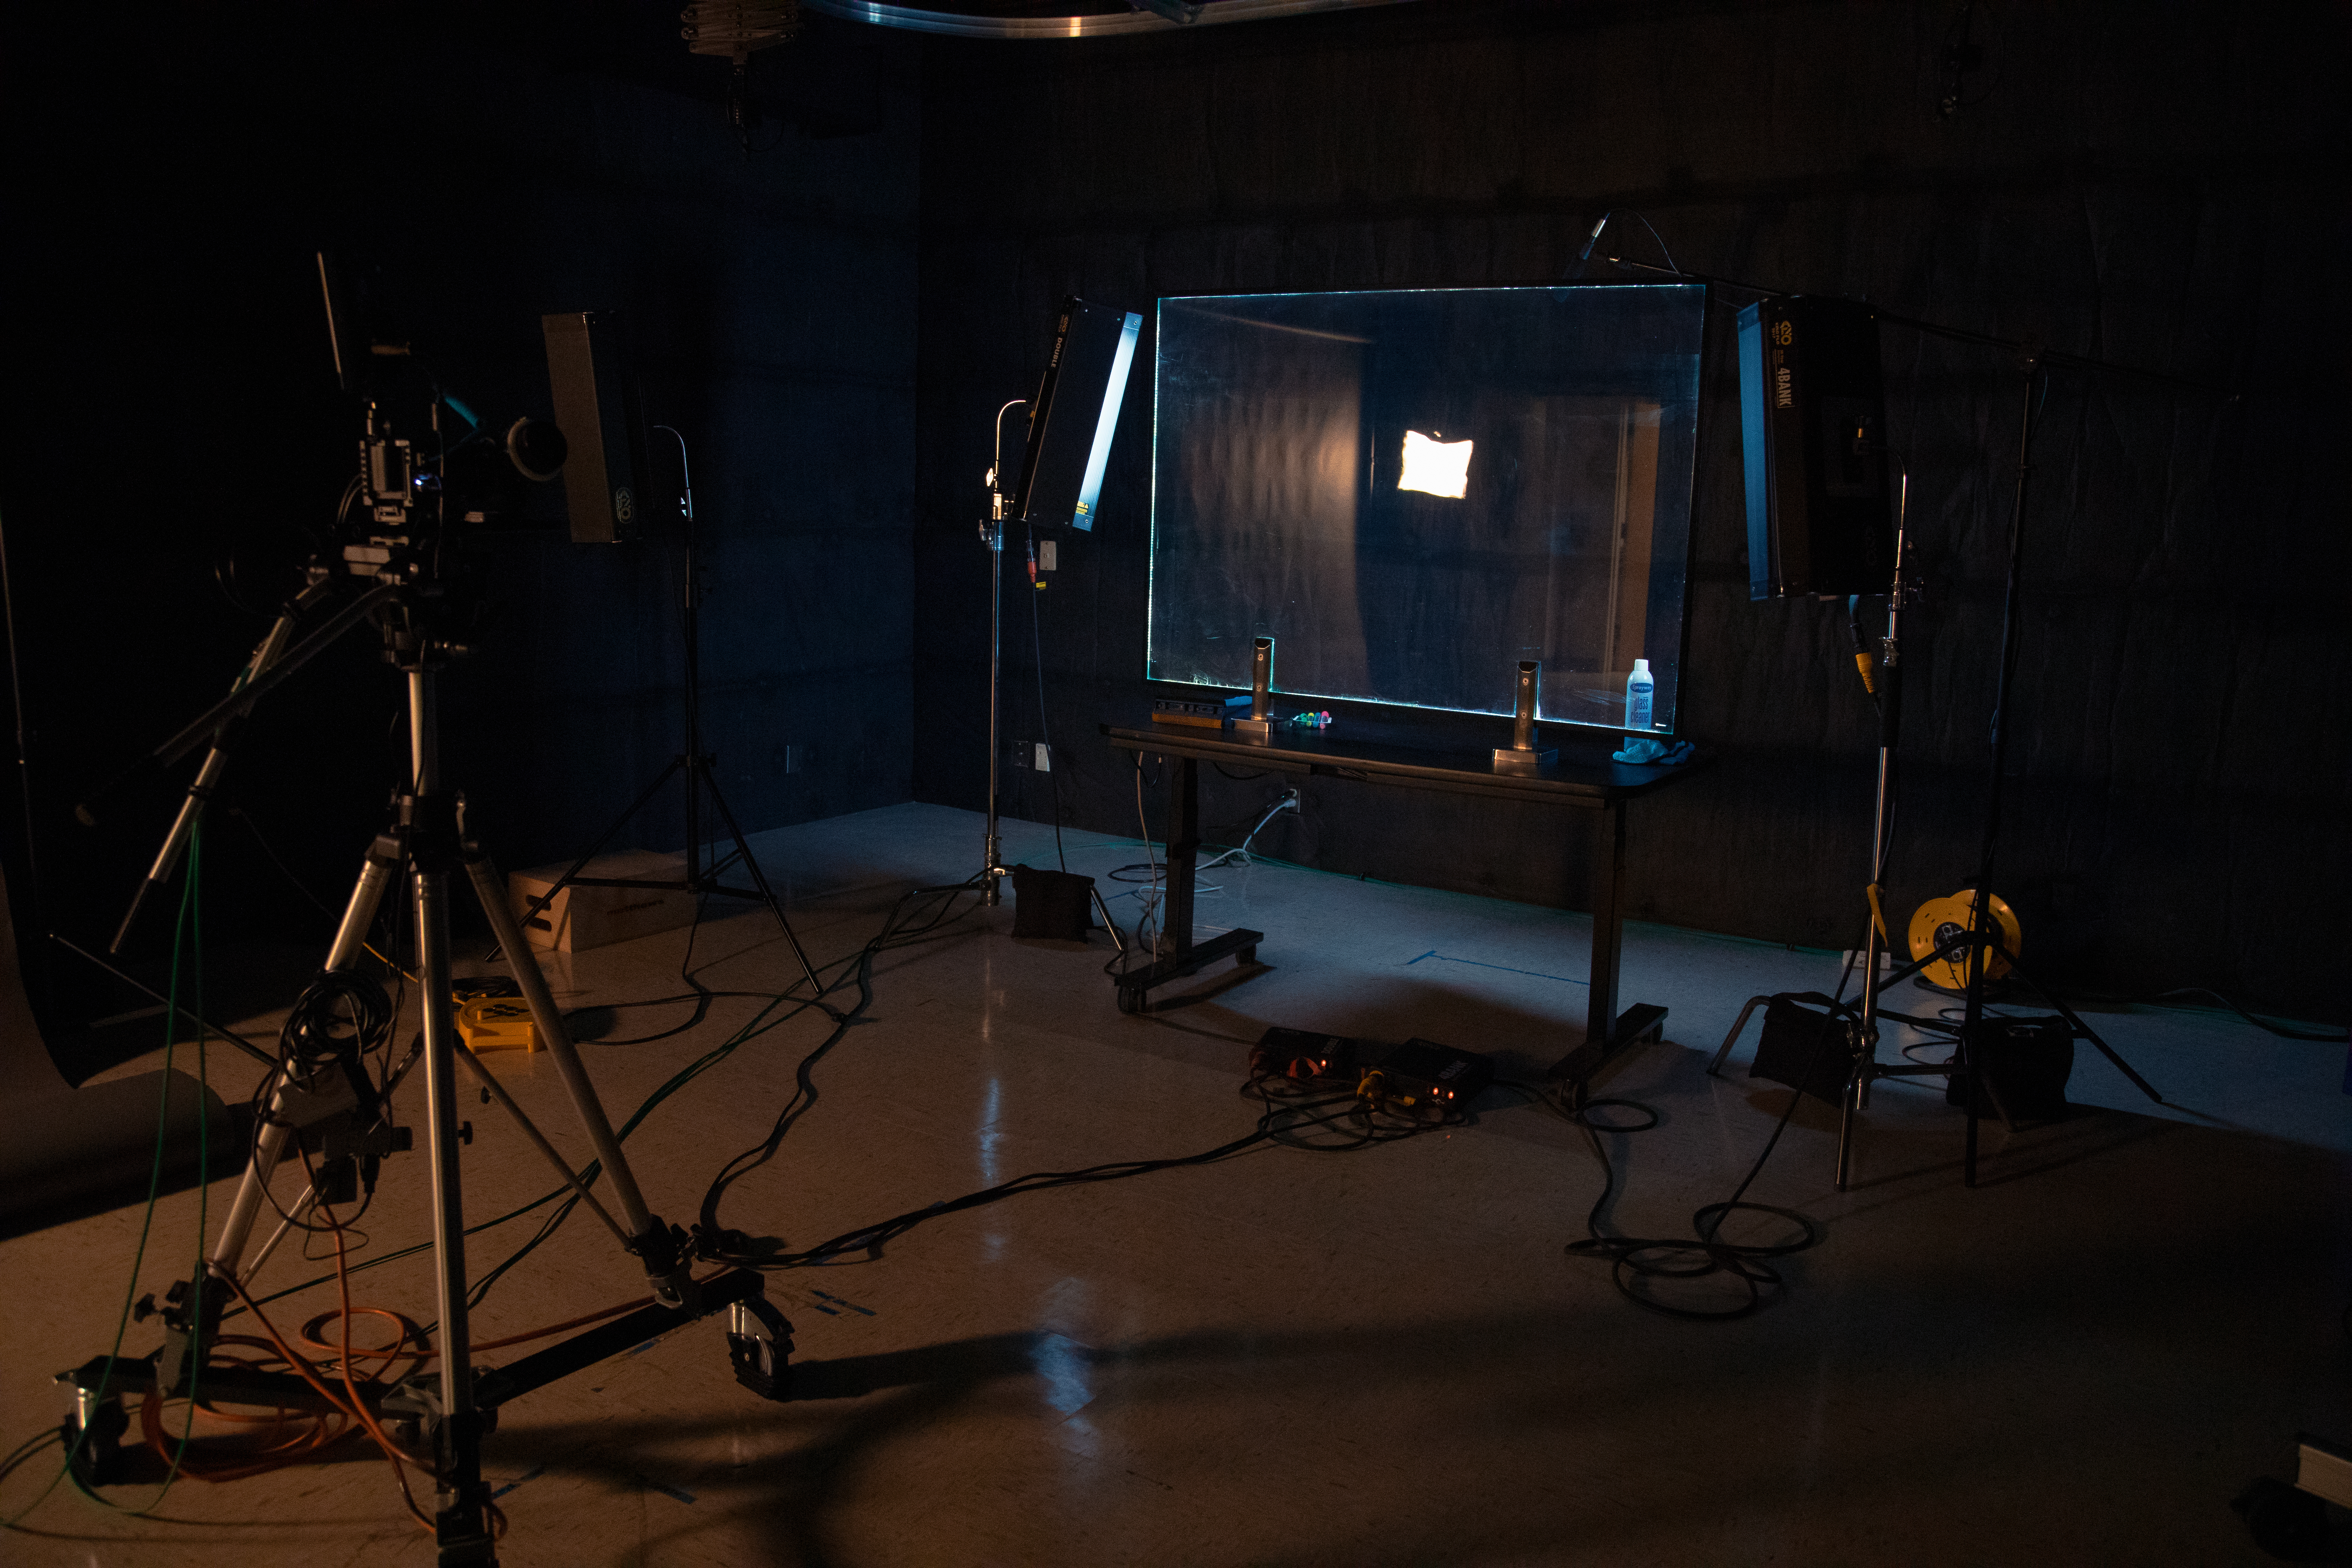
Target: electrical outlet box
1045 554
1042 757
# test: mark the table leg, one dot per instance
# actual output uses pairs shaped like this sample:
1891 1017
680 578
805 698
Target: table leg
1184 849
1608 930
1183 957
1607 1031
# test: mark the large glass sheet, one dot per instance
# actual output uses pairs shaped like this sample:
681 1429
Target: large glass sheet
1412 491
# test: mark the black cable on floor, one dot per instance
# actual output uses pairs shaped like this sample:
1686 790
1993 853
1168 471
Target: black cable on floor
714 1240
2165 999
1635 1259
890 936
1277 1121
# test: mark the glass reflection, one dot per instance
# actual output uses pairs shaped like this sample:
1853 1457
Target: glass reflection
1546 515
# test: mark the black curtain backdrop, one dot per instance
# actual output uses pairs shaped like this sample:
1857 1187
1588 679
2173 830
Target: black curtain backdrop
172 404
2158 185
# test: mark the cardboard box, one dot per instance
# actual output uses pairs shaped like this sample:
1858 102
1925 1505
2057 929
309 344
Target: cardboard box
582 918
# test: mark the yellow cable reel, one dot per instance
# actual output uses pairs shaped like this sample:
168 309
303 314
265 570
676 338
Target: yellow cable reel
1938 921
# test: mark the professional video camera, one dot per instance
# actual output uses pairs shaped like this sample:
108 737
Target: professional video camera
421 483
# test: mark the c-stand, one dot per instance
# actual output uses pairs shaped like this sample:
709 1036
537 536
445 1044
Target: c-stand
343 1121
701 771
988 881
1980 943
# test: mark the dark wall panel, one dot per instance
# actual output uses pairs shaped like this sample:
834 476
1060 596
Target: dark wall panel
2158 186
170 395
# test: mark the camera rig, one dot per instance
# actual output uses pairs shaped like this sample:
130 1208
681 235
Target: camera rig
394 560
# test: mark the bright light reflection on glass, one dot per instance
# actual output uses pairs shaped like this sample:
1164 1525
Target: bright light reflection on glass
1435 468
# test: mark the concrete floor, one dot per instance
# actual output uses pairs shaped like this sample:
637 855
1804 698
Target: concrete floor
1293 1358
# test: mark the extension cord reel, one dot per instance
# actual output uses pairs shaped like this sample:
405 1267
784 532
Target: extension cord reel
1938 921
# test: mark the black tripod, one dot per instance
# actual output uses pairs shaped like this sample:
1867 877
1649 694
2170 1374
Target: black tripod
701 770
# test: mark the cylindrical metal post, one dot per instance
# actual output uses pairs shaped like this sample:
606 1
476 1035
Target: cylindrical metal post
367 896
237 1229
995 655
432 892
1523 714
1874 942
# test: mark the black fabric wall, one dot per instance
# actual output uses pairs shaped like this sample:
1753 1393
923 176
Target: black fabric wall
172 401
2160 185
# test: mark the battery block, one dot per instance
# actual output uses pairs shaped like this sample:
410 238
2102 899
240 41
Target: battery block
1302 1054
1424 1072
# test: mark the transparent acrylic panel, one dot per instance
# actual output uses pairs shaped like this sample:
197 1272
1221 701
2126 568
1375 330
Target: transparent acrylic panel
1411 491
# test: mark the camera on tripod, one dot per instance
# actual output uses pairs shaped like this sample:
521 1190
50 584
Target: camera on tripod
418 483
411 489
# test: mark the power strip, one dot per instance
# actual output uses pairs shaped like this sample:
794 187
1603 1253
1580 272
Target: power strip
1423 1071
1301 1054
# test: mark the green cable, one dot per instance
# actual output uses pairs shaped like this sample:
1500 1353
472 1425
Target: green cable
192 922
146 1221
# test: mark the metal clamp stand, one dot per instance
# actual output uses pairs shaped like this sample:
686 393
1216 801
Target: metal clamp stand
701 769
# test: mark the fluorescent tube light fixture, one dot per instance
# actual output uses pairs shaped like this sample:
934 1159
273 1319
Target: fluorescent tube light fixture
1073 415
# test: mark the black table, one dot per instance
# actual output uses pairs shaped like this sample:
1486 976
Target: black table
1582 778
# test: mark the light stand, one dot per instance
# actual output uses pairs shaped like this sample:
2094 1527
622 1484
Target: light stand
701 771
1981 941
993 868
1867 1068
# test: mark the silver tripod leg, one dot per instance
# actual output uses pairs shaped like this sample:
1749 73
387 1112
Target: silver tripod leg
351 941
1117 941
461 1523
644 1229
208 775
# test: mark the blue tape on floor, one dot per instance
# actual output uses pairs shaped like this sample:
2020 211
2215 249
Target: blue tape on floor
654 1486
1506 968
839 1302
